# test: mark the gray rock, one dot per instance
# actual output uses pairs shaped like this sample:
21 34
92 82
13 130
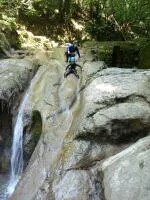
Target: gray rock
82 128
126 175
116 105
72 186
15 75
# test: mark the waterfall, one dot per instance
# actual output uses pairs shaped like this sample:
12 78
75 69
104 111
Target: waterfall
17 149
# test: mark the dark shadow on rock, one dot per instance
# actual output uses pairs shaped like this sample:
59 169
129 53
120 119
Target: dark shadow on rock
5 136
119 132
32 133
117 57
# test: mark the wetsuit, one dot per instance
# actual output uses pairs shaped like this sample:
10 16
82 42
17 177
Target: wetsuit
71 69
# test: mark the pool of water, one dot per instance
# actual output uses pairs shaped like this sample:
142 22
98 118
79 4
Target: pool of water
3 186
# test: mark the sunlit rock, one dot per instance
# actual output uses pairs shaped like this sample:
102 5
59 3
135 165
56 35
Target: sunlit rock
126 175
88 127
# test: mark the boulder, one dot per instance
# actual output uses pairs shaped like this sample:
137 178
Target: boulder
90 135
126 175
116 106
9 37
15 75
4 46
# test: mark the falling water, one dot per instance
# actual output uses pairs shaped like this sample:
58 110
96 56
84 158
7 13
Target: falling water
17 149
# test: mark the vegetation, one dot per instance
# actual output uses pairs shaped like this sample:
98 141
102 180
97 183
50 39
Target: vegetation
100 19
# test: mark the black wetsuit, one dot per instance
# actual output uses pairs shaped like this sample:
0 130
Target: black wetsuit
71 69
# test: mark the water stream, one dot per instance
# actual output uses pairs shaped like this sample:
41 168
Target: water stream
66 96
17 146
17 149
17 162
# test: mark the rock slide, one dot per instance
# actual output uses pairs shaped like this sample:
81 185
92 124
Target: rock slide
93 141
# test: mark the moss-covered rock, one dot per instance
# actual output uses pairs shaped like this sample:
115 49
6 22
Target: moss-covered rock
5 136
114 53
30 41
9 27
4 45
15 75
5 161
32 135
144 57
9 37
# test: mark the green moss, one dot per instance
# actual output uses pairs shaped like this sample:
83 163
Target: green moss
104 51
36 127
144 55
35 132
5 164
141 164
3 42
8 34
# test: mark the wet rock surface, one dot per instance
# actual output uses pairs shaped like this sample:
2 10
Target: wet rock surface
5 136
82 135
86 150
15 75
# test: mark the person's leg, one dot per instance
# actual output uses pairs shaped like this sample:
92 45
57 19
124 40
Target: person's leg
66 55
68 71
66 74
75 73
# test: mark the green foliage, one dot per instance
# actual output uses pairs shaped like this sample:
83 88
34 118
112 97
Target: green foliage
8 22
36 128
130 17
126 19
103 32
9 4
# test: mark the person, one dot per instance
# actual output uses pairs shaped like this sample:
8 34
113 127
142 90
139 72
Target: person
70 54
71 50
71 69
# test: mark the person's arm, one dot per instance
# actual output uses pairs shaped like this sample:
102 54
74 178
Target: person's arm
68 51
78 52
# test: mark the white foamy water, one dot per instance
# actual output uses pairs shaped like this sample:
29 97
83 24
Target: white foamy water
17 150
17 145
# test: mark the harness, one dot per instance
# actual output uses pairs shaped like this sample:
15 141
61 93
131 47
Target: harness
72 58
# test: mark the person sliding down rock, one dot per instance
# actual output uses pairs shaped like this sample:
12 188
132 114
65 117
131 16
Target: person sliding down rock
71 69
71 58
